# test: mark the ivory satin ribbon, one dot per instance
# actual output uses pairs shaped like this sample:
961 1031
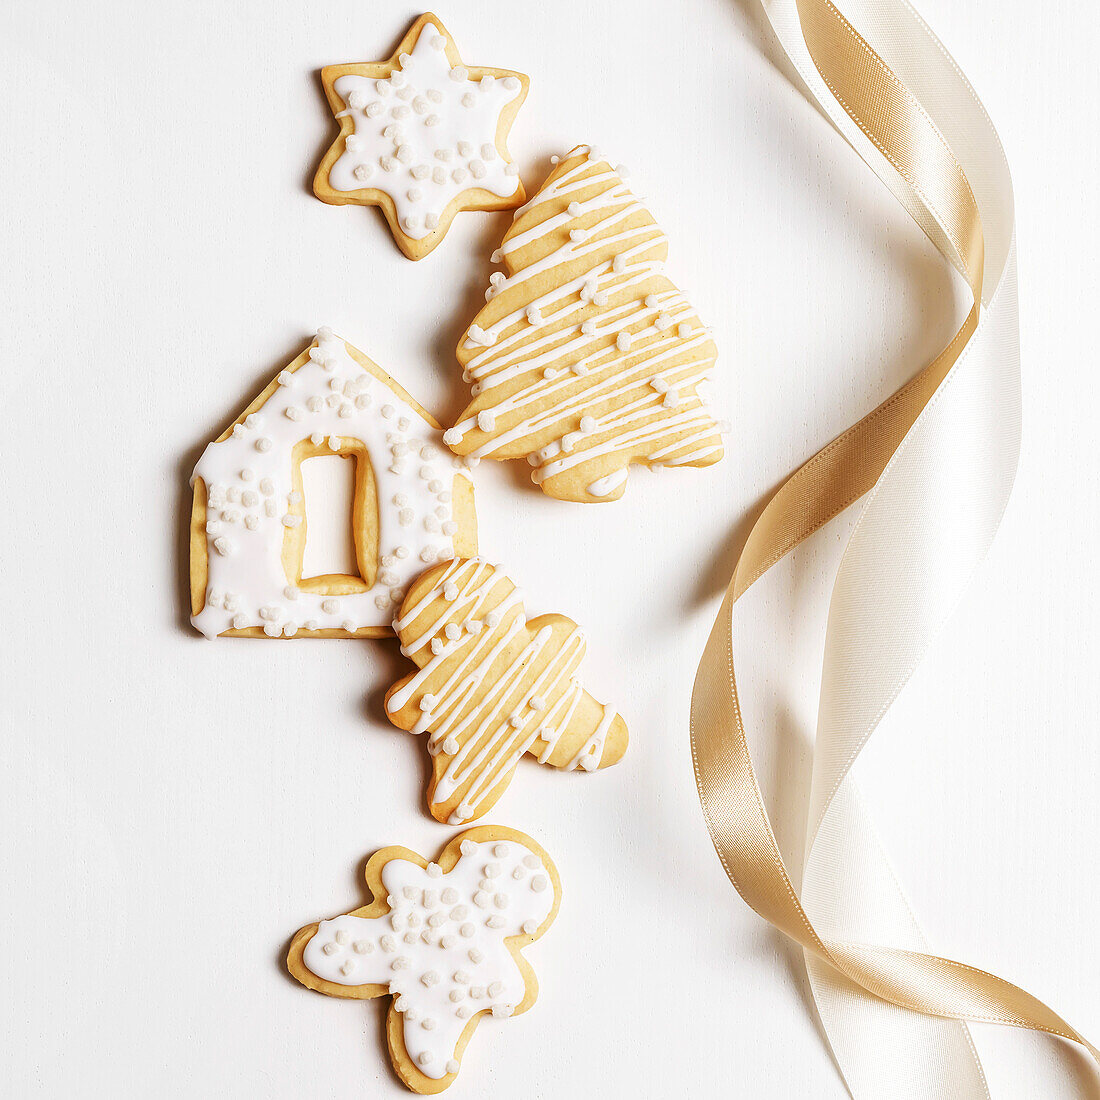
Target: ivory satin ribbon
937 461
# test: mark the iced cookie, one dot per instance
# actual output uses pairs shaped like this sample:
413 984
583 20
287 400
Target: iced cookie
443 939
413 504
586 358
422 136
493 686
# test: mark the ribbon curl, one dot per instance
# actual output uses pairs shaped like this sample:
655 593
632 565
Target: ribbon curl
937 459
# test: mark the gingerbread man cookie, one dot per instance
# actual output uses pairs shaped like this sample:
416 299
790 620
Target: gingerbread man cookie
493 686
586 358
443 939
422 136
413 506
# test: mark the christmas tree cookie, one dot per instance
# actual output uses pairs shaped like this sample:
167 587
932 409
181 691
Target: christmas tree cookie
493 686
422 136
586 358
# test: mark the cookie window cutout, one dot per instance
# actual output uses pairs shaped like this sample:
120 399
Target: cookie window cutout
412 506
585 357
422 136
444 940
491 687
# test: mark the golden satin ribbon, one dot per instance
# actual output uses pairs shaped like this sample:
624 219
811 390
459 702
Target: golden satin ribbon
934 189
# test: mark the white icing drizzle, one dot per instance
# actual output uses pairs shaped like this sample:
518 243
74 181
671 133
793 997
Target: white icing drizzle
606 362
604 486
250 494
425 134
456 964
470 620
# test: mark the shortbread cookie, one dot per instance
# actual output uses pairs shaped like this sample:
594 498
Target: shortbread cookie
422 136
491 687
443 939
414 503
586 358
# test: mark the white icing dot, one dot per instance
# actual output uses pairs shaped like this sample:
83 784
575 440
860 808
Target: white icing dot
683 331
539 883
587 424
434 870
263 444
475 955
463 1012
452 1065
429 978
502 1010
330 607
425 1058
469 100
486 421
459 72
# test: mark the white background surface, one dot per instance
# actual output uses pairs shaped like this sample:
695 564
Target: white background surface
173 809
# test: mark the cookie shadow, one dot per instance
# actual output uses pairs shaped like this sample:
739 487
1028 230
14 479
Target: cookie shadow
390 667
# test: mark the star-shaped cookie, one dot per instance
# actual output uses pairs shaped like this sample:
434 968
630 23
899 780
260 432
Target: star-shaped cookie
422 136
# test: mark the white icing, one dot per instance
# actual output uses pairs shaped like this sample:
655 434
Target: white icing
605 486
567 375
483 731
425 135
248 478
457 964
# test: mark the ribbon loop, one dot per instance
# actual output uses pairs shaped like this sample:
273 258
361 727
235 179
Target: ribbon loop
936 462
